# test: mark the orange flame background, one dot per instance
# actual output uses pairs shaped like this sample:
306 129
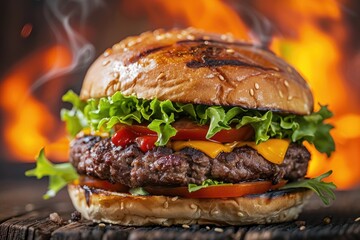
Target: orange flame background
316 52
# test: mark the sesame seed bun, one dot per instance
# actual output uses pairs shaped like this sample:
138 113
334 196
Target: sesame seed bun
124 209
192 66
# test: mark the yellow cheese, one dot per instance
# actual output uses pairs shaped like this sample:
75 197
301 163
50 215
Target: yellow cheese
273 150
88 131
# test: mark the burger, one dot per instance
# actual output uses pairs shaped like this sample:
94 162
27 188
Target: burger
189 127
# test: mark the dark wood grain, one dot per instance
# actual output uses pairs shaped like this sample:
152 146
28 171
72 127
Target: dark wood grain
24 215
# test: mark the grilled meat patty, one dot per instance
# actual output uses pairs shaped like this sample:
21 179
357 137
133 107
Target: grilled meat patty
100 158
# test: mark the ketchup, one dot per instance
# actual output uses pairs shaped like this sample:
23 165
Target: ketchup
125 136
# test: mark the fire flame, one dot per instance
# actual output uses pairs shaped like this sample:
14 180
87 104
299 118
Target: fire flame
29 123
315 50
318 56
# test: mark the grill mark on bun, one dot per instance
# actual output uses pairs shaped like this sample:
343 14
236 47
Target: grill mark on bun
87 193
203 46
214 55
223 62
146 52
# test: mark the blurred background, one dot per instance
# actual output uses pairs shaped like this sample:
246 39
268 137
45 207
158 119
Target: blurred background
47 45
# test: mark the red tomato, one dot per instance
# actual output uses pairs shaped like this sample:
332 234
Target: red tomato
146 143
102 184
188 130
220 191
224 136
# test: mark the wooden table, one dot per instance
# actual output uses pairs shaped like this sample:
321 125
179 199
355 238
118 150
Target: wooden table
24 215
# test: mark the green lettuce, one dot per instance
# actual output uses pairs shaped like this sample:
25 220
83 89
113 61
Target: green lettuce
59 174
139 191
192 187
325 190
104 113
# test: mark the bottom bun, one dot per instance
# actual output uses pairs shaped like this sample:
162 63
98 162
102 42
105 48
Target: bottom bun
124 209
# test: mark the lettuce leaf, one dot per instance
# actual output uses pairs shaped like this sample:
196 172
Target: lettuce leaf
192 187
139 191
325 190
59 174
102 114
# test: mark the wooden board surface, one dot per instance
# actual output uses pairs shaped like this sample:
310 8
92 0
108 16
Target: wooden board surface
24 215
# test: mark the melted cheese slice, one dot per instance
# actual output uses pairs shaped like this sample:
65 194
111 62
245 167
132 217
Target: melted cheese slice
88 131
273 150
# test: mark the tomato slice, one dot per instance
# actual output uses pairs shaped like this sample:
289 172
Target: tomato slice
102 184
217 191
188 130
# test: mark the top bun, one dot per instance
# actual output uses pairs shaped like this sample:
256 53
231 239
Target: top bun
193 66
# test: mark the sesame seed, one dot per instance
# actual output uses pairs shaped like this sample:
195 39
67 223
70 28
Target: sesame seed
131 43
215 212
117 46
206 42
281 94
116 75
106 62
107 52
185 226
54 217
327 220
102 225
175 198
122 205
210 75
219 230
286 83
193 206
229 50
207 227
166 204
221 77
240 214
251 92
257 86
290 98
161 76
357 219
160 37
302 228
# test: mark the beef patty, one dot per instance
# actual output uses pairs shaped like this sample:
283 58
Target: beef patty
162 166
